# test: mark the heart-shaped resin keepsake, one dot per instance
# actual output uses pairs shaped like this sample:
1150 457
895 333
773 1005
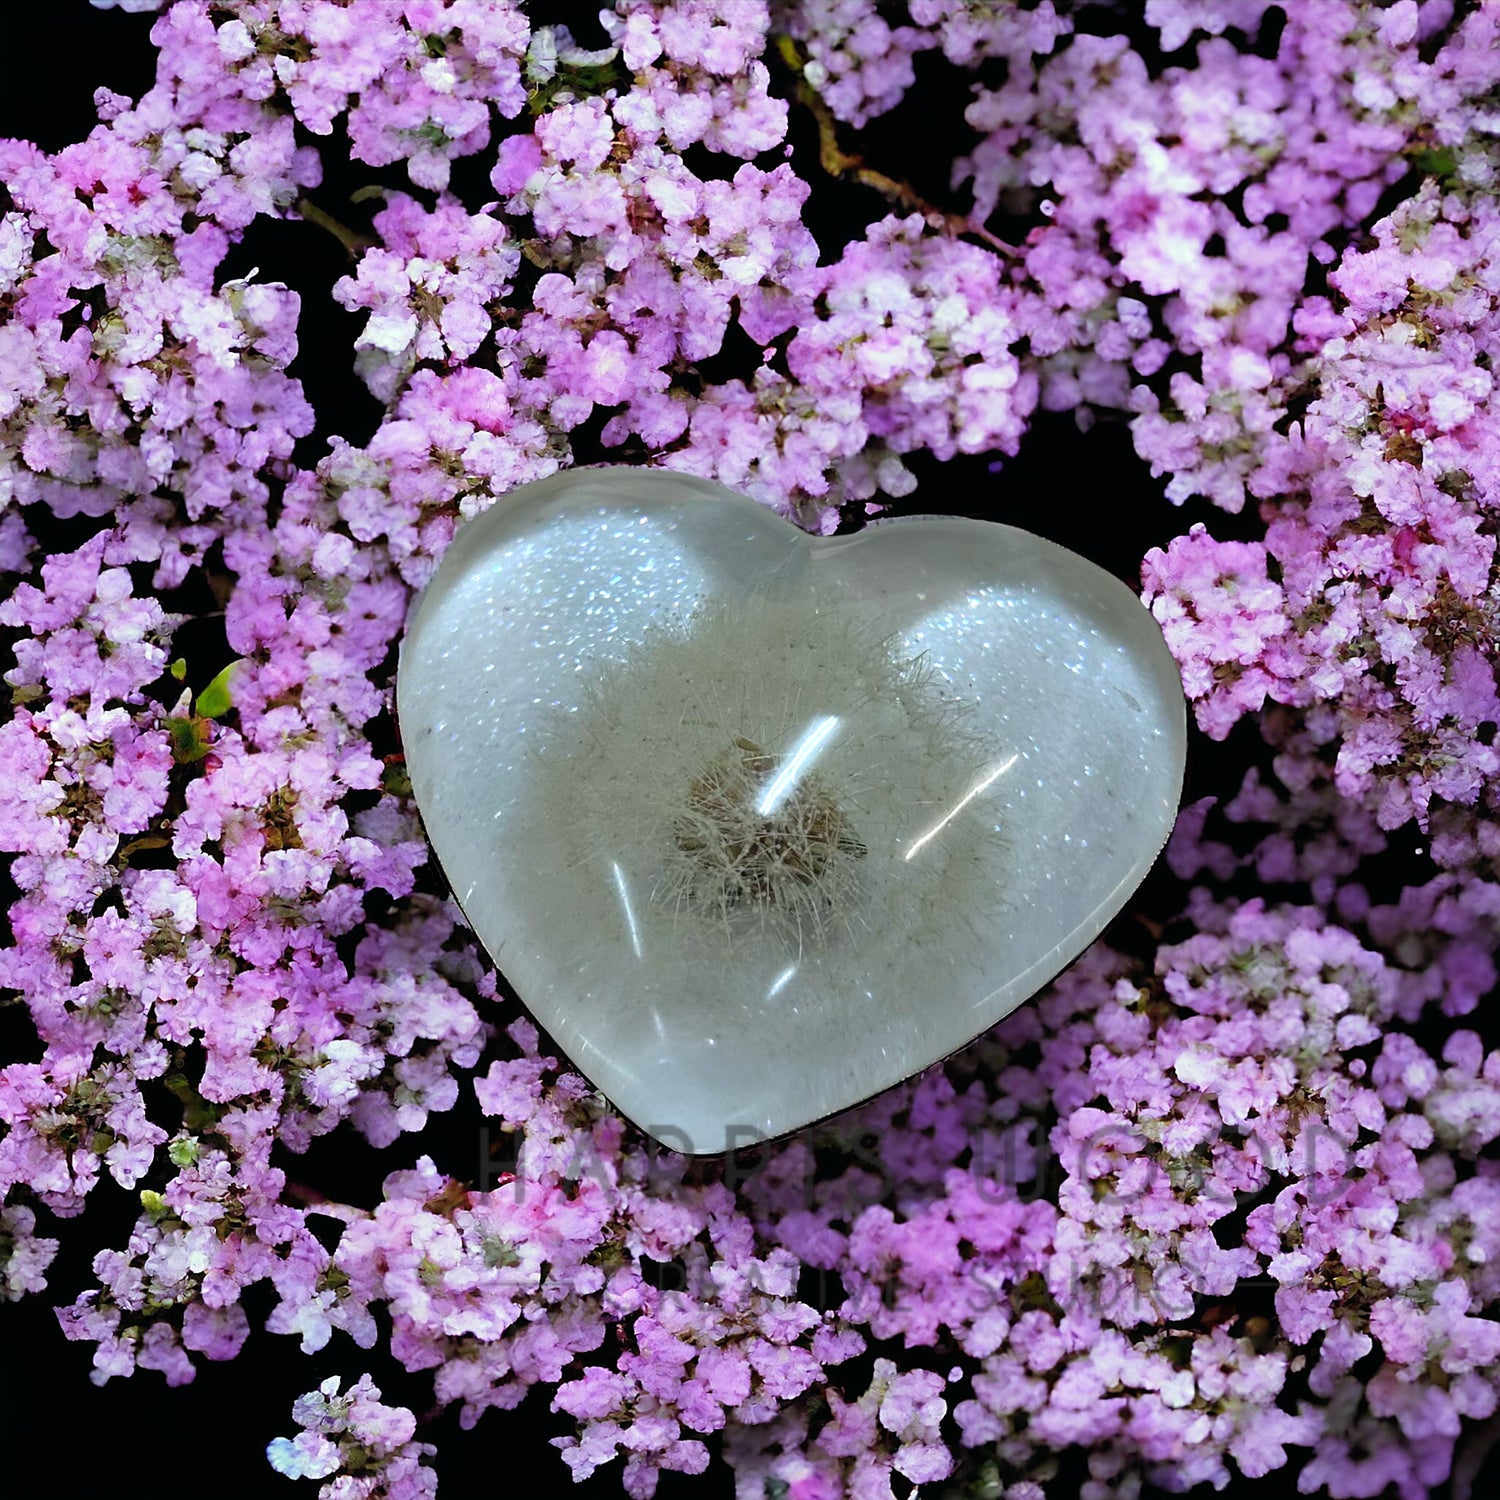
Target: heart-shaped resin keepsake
758 824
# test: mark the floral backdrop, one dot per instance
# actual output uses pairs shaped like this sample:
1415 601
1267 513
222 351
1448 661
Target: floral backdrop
1223 1203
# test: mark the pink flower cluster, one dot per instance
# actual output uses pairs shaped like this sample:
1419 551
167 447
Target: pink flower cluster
1111 1310
355 1431
1228 1209
1373 604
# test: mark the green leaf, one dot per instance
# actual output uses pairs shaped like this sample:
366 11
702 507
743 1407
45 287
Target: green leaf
178 669
198 1114
214 700
189 739
582 80
183 1152
1438 161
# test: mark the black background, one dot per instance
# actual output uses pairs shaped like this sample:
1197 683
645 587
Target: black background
62 1436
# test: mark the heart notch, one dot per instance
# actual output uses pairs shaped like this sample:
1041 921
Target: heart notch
759 824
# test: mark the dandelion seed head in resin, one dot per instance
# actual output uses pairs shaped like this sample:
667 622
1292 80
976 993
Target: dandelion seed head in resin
760 772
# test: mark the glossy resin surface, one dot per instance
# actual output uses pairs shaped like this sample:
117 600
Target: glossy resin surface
758 824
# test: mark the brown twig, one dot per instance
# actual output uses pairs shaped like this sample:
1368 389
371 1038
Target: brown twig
351 239
840 163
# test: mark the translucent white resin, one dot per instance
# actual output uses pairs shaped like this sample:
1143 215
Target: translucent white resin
758 824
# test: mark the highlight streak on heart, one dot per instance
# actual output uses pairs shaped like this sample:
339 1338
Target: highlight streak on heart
629 910
962 803
812 741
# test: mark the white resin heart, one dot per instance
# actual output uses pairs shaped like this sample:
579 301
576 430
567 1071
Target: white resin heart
758 824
